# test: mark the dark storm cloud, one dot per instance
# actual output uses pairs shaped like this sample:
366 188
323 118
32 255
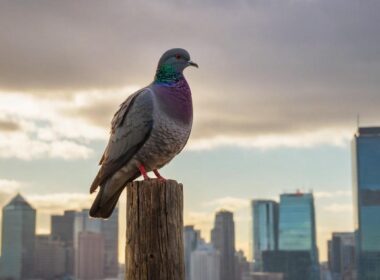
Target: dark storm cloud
266 66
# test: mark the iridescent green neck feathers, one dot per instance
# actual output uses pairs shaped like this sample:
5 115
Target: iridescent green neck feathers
166 73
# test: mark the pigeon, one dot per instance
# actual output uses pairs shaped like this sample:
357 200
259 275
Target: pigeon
150 128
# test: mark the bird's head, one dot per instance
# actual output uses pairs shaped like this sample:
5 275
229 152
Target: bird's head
172 63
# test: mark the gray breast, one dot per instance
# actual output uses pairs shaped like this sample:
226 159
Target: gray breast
168 137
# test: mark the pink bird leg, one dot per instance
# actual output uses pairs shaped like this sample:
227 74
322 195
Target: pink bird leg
143 172
158 175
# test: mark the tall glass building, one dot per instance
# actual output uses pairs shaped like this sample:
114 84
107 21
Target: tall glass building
297 230
341 255
110 230
62 228
191 240
264 229
18 238
223 239
366 189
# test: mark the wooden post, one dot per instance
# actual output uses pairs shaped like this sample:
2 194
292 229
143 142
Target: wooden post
154 244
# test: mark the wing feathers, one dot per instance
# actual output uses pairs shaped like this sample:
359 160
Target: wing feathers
131 127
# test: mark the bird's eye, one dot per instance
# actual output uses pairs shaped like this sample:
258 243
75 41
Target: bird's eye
178 56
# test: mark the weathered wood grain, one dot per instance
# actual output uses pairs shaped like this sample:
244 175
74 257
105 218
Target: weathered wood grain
154 243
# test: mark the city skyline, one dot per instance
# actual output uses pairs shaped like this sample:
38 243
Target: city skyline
276 100
97 225
231 204
78 246
88 237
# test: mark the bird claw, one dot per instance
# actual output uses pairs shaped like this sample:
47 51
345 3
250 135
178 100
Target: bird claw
146 178
145 174
158 175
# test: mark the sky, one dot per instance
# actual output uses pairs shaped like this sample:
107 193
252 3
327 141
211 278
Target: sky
276 99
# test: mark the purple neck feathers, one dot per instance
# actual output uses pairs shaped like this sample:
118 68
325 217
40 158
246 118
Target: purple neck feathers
175 100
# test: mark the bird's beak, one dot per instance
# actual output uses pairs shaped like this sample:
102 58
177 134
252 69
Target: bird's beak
190 63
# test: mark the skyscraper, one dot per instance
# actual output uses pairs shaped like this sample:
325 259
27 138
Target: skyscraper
18 237
264 229
293 265
242 269
223 239
366 190
110 230
297 230
49 258
190 243
341 258
205 263
83 222
297 222
90 256
62 228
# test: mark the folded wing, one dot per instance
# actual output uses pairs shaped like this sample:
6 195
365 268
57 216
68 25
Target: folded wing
131 127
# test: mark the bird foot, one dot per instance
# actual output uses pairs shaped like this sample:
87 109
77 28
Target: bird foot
158 175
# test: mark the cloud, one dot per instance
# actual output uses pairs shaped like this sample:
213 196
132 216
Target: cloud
24 146
8 188
97 107
43 130
58 202
272 73
107 48
228 203
199 218
206 217
203 221
44 203
254 139
7 126
68 150
339 208
36 114
332 194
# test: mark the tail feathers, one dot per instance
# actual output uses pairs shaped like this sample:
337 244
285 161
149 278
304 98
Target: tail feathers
104 204
95 184
108 195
